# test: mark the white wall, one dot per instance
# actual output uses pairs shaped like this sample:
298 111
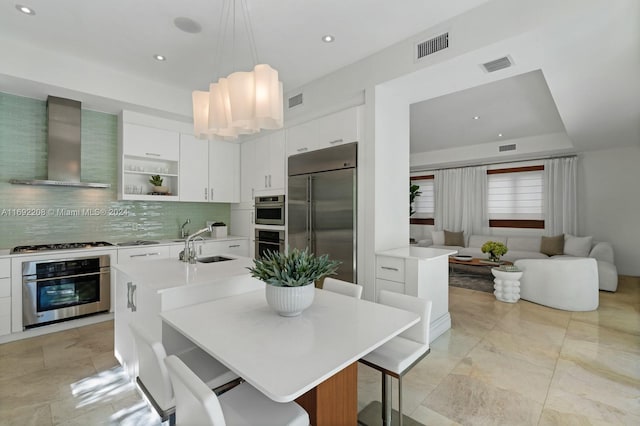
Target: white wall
609 202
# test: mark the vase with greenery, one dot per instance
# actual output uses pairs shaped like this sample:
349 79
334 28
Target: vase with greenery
156 181
495 250
414 191
290 278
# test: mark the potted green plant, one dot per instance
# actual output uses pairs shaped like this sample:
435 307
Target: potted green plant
156 181
414 191
290 278
495 250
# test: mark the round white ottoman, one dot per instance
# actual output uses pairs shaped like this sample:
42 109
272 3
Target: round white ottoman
506 285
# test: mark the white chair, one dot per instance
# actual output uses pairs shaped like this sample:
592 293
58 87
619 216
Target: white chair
153 377
342 287
564 283
196 404
396 357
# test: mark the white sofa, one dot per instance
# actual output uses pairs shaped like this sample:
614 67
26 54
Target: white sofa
565 283
529 248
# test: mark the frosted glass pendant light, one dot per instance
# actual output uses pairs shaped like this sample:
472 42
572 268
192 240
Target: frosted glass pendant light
242 103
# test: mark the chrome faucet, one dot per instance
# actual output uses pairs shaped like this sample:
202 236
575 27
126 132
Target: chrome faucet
189 252
184 232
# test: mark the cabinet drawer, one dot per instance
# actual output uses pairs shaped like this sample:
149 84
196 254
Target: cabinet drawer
390 268
142 253
389 286
5 316
5 268
5 288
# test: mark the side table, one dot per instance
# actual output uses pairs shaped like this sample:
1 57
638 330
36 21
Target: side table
506 285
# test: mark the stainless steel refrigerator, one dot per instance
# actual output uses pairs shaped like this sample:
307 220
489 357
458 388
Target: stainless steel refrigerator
322 205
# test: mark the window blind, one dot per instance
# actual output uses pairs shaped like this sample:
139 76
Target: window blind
424 203
517 195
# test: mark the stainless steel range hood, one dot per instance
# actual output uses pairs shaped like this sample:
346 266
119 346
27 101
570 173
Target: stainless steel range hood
63 140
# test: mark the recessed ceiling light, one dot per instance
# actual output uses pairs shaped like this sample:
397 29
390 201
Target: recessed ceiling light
328 38
26 10
159 58
476 117
499 135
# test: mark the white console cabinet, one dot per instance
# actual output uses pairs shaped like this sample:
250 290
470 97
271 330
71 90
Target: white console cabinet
421 272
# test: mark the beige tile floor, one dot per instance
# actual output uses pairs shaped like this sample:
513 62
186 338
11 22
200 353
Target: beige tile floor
499 364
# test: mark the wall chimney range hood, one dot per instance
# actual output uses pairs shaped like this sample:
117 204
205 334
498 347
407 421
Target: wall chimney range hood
63 140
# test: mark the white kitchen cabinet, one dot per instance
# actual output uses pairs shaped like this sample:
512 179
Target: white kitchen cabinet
263 166
330 130
143 253
420 272
194 169
209 170
5 296
224 172
143 152
239 247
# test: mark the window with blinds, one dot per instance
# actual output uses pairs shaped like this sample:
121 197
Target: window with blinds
425 202
515 197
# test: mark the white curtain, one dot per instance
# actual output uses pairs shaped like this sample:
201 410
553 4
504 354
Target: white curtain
461 196
560 196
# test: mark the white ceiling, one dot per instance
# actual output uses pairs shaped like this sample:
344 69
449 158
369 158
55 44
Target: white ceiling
125 34
515 107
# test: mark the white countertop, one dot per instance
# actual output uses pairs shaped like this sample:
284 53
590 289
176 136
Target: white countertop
423 253
286 357
163 274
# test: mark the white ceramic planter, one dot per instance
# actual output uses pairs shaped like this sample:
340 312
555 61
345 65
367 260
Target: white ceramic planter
290 301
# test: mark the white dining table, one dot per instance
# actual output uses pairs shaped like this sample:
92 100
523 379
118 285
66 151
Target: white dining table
290 358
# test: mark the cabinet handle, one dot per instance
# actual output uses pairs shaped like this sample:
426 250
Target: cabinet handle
133 294
388 268
139 255
153 154
205 193
211 194
302 149
265 181
269 181
131 289
335 141
153 254
235 245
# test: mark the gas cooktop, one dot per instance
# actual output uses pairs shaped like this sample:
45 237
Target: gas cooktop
59 246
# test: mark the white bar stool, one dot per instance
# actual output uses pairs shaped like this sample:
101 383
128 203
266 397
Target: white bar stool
342 287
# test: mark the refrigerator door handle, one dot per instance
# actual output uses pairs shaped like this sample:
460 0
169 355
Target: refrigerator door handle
310 241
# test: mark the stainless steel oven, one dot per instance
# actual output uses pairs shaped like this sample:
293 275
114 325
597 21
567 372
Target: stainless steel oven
56 290
270 210
268 239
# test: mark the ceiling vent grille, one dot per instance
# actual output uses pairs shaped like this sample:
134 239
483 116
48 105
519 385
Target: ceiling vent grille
510 147
433 45
295 100
498 64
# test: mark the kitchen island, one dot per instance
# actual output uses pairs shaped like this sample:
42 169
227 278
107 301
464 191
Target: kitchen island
143 290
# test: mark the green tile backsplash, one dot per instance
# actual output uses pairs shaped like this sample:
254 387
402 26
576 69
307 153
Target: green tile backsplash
77 214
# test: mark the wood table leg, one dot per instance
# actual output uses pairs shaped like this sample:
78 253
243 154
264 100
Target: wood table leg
334 402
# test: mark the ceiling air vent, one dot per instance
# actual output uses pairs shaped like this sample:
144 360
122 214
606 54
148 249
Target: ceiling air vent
510 147
498 64
433 45
295 100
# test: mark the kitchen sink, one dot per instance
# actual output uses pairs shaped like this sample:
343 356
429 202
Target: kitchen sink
212 259
138 243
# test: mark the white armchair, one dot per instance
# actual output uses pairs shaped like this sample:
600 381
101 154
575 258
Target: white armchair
570 284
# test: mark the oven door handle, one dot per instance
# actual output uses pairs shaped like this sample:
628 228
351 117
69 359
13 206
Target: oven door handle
31 280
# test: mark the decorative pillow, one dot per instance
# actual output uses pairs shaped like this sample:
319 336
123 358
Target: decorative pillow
577 246
552 246
453 238
438 238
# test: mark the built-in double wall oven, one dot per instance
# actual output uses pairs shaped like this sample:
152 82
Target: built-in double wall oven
55 290
269 240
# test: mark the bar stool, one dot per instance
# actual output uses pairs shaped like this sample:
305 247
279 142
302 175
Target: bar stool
153 377
196 404
400 354
342 287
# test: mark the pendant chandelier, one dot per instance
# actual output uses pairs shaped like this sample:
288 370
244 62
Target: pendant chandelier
245 101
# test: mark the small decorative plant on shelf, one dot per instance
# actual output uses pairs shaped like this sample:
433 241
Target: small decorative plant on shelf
290 278
495 250
156 181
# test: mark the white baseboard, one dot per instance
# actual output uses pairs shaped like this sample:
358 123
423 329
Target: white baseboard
439 326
